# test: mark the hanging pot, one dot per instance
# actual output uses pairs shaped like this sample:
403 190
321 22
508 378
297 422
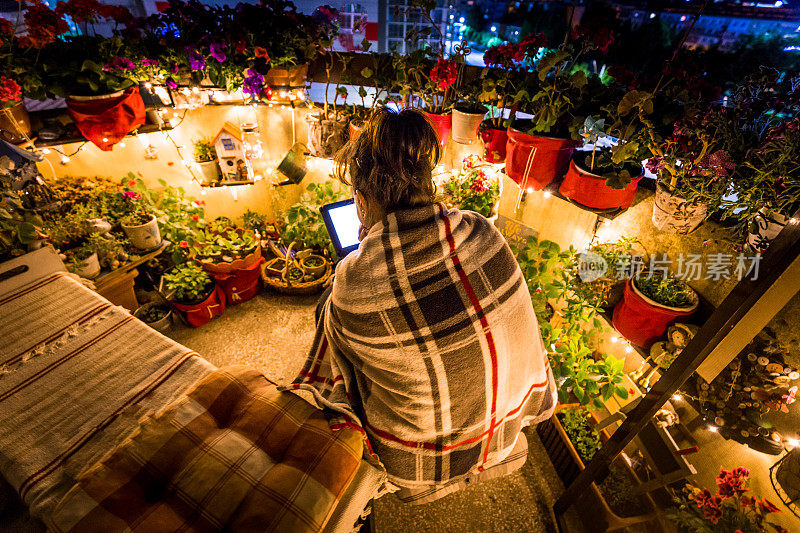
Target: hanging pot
106 119
325 136
442 124
673 214
209 173
144 236
15 123
466 121
533 161
494 143
89 268
763 229
206 308
590 189
643 321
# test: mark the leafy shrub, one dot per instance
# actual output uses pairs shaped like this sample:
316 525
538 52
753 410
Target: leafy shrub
303 221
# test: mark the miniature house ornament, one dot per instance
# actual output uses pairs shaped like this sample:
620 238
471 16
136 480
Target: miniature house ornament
233 159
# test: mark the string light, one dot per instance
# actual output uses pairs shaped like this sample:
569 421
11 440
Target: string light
615 339
45 151
530 190
677 397
547 194
64 160
628 349
713 429
794 443
105 139
122 144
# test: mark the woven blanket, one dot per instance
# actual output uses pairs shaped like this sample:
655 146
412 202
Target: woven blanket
234 454
76 374
429 343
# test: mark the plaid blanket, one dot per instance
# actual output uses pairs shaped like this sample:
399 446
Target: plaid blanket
429 344
233 454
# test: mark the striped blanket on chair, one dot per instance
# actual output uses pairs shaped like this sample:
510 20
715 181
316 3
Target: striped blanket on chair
430 345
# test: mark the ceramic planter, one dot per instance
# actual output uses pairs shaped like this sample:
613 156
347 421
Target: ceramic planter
145 236
106 119
644 321
596 513
89 268
465 124
533 161
494 144
442 124
590 190
16 121
209 173
162 324
673 214
763 229
315 271
325 136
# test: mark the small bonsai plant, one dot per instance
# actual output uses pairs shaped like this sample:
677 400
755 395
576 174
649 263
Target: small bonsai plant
666 290
730 509
189 282
204 151
472 189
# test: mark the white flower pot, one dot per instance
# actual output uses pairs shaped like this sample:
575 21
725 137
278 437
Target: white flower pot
325 136
763 229
162 324
89 268
673 214
145 236
465 126
209 173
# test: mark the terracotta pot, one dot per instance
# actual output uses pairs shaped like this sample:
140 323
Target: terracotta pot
763 229
644 321
315 271
287 76
494 144
442 124
199 313
209 172
16 122
325 136
533 161
144 236
212 266
590 189
465 125
673 214
162 324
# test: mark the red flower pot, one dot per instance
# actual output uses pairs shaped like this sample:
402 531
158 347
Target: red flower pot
591 190
106 119
494 145
534 161
240 285
642 320
201 313
442 125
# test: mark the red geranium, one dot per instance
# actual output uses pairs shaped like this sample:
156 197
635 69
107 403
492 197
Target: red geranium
501 55
444 73
43 25
10 92
732 482
767 506
118 14
529 46
596 33
6 30
622 75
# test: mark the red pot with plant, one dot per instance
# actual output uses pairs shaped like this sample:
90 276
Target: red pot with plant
191 290
242 284
442 123
534 161
494 144
592 190
649 305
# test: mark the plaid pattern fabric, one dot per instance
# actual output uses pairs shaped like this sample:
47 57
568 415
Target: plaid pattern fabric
429 343
233 454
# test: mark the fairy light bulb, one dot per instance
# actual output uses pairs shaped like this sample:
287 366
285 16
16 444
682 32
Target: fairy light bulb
677 397
148 85
105 139
713 429
174 121
45 151
614 339
547 194
64 160
196 90
628 349
530 190
122 144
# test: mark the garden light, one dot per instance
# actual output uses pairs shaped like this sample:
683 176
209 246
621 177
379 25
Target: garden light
677 397
547 194
614 339
64 160
713 429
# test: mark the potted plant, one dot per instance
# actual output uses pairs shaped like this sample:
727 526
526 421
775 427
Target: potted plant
437 94
606 178
19 228
191 290
13 115
732 508
468 113
156 315
326 127
650 303
314 265
139 224
570 440
472 188
227 251
303 222
205 156
599 273
83 261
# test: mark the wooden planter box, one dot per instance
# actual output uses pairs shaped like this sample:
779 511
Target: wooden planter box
593 510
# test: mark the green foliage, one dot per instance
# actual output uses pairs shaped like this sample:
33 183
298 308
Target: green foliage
18 227
154 313
303 221
204 151
584 437
668 291
189 281
226 245
254 221
74 66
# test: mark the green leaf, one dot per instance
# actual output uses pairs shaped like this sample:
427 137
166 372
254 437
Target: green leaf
622 392
366 72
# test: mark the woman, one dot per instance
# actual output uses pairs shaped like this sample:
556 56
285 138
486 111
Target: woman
428 340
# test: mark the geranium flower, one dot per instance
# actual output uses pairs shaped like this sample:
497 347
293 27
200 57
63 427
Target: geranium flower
732 482
747 501
444 73
622 75
118 14
183 244
195 217
6 30
218 52
149 62
81 11
767 506
174 68
10 91
702 497
654 164
597 34
43 25
240 47
131 183
171 84
501 55
262 52
130 195
529 46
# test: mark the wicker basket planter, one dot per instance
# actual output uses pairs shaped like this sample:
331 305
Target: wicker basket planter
279 274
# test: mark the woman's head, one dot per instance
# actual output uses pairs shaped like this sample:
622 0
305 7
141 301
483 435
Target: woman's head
391 162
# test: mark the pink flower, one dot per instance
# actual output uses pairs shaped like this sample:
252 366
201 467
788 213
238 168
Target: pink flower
130 195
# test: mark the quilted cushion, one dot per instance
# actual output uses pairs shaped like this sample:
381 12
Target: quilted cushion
234 453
